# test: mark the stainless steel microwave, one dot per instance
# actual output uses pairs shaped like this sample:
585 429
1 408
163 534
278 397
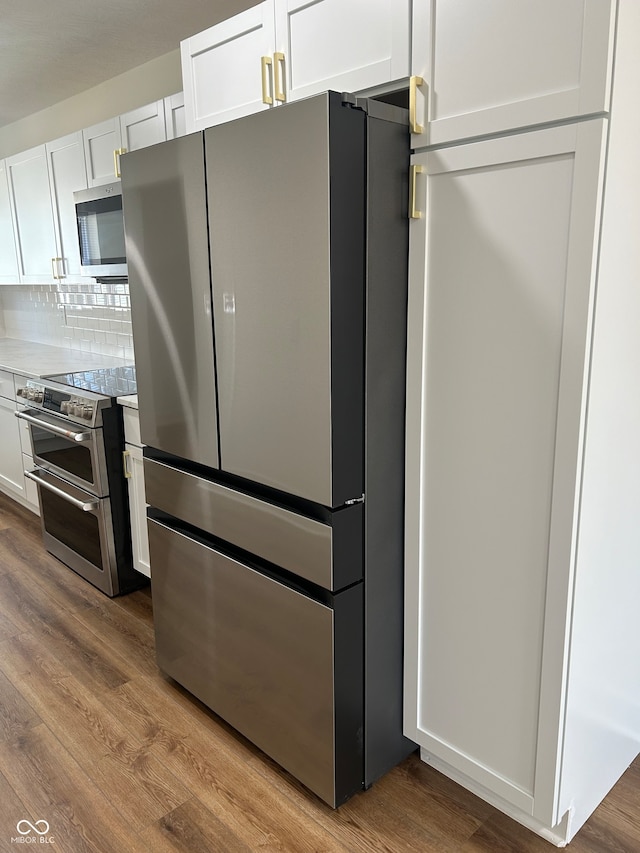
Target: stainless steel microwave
101 231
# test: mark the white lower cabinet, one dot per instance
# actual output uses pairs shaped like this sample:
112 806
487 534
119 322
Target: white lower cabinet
134 472
13 444
503 461
11 472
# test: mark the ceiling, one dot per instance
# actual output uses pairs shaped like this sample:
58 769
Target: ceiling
51 50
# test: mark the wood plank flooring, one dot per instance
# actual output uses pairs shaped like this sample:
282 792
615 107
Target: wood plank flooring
118 759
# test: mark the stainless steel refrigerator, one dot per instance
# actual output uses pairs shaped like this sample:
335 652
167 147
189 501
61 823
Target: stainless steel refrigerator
268 274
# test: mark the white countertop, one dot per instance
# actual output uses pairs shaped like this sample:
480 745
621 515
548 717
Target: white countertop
130 400
37 360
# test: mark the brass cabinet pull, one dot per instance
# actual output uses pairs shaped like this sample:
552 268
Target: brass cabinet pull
279 76
414 84
414 213
55 269
116 160
125 455
266 63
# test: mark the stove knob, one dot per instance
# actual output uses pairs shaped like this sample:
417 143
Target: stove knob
38 396
87 412
30 393
64 407
20 392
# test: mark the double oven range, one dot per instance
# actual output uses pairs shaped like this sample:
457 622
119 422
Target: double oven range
77 439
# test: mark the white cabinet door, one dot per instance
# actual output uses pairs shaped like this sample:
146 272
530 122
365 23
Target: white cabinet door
142 127
502 268
225 71
8 260
11 471
345 45
174 115
134 468
67 174
33 216
499 64
102 142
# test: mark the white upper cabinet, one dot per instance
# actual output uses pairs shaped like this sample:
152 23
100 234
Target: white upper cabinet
142 127
345 45
282 50
497 65
8 260
227 70
35 233
67 174
41 184
174 117
102 143
106 141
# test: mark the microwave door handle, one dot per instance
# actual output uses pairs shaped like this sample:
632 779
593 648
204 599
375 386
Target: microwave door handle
85 506
66 433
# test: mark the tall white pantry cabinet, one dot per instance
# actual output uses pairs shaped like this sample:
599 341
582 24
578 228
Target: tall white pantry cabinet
523 414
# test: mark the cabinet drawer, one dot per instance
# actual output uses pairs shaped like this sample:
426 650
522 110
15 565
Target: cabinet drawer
326 554
261 655
6 385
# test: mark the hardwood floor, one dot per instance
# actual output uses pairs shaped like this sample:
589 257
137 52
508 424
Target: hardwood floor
118 759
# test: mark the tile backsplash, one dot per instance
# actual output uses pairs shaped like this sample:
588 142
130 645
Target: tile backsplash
89 317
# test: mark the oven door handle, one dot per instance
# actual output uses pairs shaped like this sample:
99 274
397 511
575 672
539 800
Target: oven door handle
67 433
85 506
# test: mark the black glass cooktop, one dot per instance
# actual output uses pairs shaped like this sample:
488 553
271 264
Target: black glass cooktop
110 381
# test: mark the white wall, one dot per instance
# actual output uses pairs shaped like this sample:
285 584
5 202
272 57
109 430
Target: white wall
134 88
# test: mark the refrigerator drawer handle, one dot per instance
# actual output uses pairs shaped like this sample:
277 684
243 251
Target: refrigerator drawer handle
67 433
85 506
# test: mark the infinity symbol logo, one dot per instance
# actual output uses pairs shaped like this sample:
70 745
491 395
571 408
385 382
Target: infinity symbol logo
34 827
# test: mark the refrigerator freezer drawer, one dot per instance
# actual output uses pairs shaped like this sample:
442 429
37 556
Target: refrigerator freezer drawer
329 555
283 669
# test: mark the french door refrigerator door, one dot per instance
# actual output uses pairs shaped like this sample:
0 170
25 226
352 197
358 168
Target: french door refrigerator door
168 257
286 196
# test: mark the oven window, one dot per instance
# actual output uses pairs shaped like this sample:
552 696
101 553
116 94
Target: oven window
76 529
70 456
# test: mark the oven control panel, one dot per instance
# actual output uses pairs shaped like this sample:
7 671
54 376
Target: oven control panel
82 408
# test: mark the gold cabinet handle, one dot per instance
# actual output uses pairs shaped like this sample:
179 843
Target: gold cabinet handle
116 160
55 269
279 76
415 83
266 64
125 455
414 213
